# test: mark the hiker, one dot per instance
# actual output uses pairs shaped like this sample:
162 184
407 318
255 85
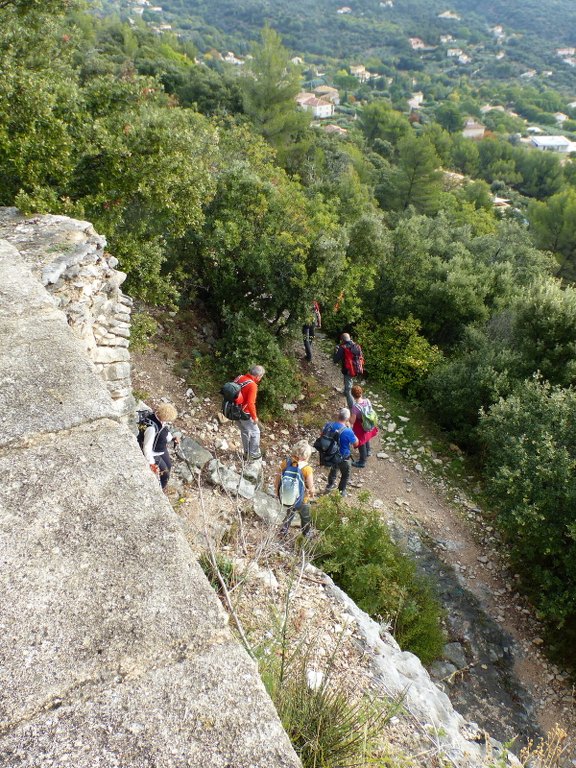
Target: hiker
249 428
349 355
364 423
317 314
346 440
157 436
308 336
313 321
294 484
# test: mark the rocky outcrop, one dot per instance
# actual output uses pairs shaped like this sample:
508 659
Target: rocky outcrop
114 650
69 259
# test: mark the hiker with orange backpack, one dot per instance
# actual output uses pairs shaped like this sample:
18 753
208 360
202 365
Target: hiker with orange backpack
349 355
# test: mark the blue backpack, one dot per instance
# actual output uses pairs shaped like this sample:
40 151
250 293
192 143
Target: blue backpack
292 487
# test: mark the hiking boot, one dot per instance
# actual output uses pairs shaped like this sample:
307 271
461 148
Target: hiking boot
330 487
358 465
254 456
342 493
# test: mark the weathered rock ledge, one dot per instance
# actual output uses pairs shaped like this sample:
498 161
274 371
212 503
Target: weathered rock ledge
114 651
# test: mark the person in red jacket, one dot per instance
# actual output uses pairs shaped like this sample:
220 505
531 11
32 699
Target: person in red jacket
249 428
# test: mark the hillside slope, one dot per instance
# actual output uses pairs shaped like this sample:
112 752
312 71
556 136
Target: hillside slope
503 681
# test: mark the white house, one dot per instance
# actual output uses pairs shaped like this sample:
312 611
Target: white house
360 72
328 93
454 52
473 130
416 101
320 108
551 143
449 15
560 117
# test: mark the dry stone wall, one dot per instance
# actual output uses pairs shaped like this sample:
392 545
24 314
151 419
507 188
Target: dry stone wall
69 259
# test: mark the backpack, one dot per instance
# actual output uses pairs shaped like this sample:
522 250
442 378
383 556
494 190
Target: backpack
328 446
369 417
353 359
230 407
147 418
292 487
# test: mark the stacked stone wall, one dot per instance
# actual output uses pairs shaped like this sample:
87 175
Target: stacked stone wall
70 260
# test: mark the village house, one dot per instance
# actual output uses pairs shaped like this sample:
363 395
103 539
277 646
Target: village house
320 108
551 143
473 129
334 129
560 117
454 52
563 52
449 15
344 9
360 72
416 101
328 93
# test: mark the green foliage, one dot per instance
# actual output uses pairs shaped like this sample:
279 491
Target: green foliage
218 568
530 445
356 550
415 181
553 223
327 726
545 331
450 117
269 92
397 355
142 328
481 370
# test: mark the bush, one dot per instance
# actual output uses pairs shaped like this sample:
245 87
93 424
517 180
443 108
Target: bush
328 727
217 568
246 342
142 329
530 445
358 553
474 378
396 354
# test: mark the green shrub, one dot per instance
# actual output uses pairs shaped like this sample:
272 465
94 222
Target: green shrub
328 727
396 354
473 378
246 342
218 568
530 445
142 329
358 553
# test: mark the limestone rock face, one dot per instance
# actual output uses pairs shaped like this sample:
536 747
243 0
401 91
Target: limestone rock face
68 258
114 649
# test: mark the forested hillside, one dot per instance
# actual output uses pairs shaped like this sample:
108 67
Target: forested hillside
380 31
214 189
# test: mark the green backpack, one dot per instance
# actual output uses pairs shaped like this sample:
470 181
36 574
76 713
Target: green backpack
369 416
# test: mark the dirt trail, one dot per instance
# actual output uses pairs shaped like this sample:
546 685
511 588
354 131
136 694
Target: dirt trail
499 676
507 685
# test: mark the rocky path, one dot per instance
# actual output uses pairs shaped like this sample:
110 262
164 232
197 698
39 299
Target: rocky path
494 670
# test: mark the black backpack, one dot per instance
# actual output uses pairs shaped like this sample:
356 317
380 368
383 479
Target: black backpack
328 446
230 408
147 418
